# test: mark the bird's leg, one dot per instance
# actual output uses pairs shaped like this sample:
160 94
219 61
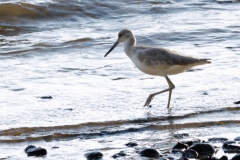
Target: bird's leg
171 87
150 97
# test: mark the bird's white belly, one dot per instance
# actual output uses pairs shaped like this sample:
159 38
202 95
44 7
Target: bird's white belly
160 69
156 70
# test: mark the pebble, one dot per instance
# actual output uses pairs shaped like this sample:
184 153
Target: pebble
120 154
237 102
149 152
229 147
179 147
217 139
223 158
131 144
228 142
205 93
237 139
18 89
46 97
189 154
203 149
32 150
55 147
94 155
68 109
29 147
236 157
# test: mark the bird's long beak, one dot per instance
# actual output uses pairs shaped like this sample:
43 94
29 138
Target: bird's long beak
114 45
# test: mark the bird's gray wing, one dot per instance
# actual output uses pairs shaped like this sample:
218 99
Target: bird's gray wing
162 56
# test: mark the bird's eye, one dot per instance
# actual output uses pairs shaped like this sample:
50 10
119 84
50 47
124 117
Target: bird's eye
120 35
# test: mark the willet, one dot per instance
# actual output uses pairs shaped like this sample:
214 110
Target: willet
156 61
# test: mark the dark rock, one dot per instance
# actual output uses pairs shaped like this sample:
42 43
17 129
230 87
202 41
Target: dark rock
18 89
68 109
29 147
131 144
237 102
180 135
149 152
120 154
223 158
46 97
236 157
55 147
171 158
217 139
32 150
179 147
237 139
39 151
93 155
203 149
119 78
189 154
228 142
231 147
188 143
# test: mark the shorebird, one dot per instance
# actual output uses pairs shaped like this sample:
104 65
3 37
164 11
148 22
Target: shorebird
156 61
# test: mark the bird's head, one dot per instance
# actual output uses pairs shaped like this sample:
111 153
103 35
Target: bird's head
123 35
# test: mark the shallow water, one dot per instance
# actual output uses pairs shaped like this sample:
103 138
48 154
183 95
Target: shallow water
56 48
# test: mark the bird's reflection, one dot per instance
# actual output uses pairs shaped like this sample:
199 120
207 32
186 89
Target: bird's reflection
171 128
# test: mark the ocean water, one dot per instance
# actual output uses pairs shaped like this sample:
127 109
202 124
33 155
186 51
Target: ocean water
55 48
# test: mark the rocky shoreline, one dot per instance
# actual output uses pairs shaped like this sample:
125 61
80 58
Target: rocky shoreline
183 150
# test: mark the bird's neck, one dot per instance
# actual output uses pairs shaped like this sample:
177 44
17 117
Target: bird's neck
128 44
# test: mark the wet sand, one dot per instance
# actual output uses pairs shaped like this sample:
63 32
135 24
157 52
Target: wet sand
159 133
